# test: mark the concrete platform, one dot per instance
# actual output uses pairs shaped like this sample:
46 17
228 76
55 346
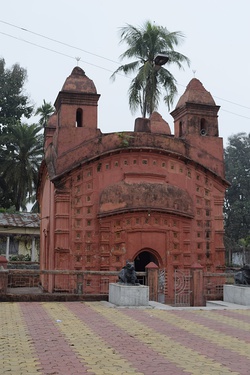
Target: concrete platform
224 305
237 294
128 295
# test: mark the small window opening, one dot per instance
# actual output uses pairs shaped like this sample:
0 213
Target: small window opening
79 118
203 127
180 129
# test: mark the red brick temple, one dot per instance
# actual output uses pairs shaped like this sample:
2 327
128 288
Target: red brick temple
144 196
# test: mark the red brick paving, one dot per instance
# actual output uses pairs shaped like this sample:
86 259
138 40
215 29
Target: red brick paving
221 326
55 354
143 358
122 341
201 345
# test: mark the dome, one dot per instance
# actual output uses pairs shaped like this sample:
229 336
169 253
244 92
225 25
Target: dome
79 82
195 93
158 125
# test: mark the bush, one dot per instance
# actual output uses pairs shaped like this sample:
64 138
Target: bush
20 257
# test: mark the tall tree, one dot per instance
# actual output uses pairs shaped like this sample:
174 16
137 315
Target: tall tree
20 156
44 111
14 104
20 144
144 44
237 199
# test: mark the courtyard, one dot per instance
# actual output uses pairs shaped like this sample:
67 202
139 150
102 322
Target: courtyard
96 338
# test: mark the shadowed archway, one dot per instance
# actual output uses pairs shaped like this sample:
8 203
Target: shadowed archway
144 258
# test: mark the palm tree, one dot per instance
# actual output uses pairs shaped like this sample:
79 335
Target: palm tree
20 157
45 111
144 44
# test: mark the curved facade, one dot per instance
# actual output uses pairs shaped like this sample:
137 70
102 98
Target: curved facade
146 196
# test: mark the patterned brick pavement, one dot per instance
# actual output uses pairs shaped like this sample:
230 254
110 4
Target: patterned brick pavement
93 338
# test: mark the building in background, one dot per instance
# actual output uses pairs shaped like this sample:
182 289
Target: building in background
145 195
20 236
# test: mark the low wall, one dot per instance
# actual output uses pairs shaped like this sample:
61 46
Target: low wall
3 280
21 265
51 297
239 295
22 280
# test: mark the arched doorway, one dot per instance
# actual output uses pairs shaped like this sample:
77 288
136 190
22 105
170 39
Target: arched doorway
144 258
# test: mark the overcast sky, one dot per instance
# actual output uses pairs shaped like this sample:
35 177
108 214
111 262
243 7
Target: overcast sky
216 32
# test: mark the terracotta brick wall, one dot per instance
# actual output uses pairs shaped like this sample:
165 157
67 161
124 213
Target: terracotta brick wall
23 280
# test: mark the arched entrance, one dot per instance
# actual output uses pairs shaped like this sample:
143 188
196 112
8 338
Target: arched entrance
143 258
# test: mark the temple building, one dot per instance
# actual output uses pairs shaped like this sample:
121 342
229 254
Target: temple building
144 196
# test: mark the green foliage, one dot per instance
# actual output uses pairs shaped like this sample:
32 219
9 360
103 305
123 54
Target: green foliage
10 210
125 139
20 257
21 145
144 44
20 157
245 242
45 111
237 199
13 103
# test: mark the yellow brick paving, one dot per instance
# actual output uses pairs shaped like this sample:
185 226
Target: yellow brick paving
243 312
17 352
183 357
197 329
93 351
233 322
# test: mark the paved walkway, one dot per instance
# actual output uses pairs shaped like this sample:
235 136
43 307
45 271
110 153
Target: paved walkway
70 338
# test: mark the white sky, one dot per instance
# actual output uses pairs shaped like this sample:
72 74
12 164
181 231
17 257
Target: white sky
216 32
